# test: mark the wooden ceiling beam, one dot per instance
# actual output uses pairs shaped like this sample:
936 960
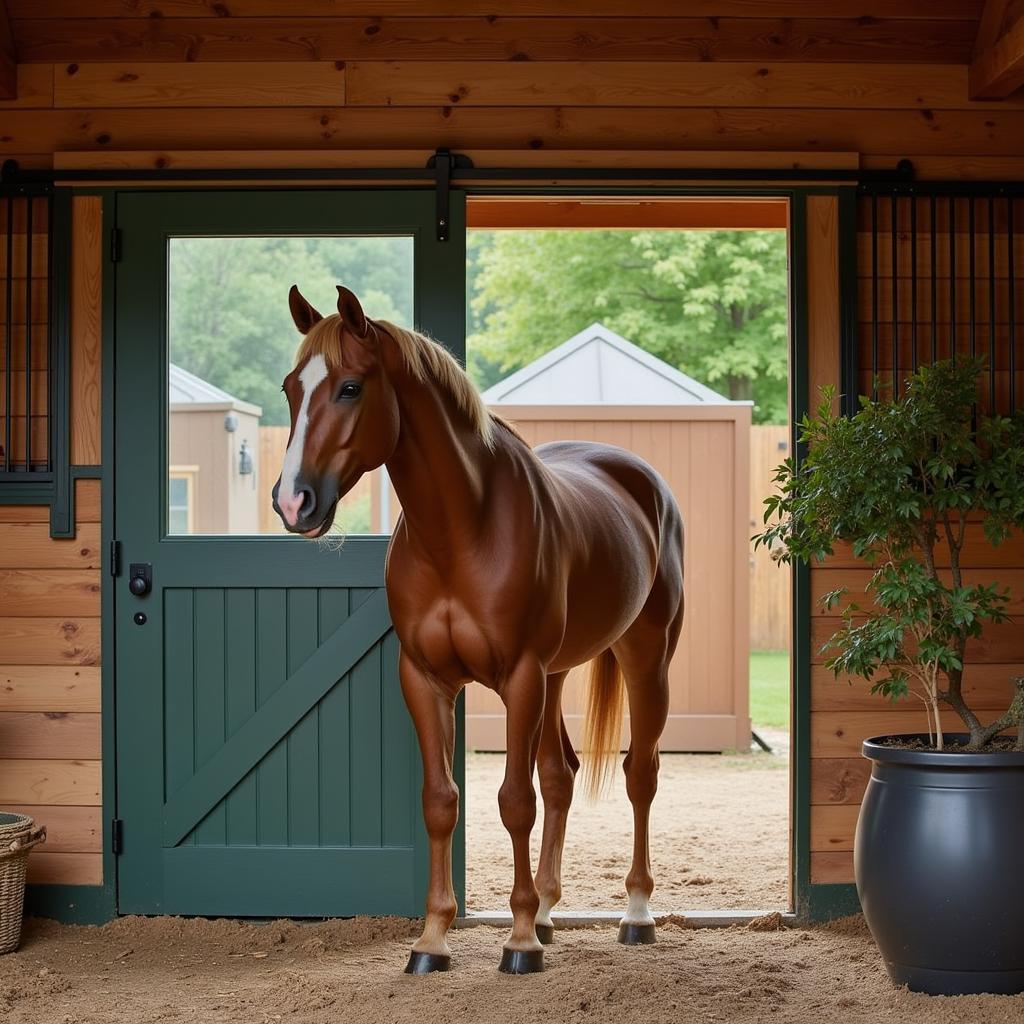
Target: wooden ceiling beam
8 60
997 67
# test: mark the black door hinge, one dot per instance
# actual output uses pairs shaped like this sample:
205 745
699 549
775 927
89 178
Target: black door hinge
443 163
115 558
117 836
115 245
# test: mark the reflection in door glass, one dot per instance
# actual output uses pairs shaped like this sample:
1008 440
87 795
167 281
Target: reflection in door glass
231 342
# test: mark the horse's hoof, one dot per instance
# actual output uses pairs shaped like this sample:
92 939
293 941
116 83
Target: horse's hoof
427 963
545 933
521 961
637 934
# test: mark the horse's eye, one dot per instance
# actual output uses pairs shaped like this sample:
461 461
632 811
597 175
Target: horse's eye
349 390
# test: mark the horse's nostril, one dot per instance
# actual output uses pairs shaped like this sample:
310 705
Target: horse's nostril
308 506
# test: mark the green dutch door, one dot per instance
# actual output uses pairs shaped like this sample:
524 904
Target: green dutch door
266 764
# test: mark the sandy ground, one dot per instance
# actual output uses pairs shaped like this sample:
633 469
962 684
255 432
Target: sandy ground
719 829
168 970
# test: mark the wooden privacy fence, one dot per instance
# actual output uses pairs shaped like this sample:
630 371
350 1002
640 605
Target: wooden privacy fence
770 609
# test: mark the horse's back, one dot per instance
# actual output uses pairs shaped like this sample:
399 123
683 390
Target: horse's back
590 469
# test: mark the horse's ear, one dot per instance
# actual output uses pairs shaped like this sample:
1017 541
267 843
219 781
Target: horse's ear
304 315
351 311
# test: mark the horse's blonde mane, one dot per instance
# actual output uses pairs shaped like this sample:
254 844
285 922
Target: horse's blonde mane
425 358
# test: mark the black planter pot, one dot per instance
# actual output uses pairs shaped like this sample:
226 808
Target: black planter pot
938 858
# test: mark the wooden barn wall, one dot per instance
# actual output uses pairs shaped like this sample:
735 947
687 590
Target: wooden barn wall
251 75
187 82
844 712
50 757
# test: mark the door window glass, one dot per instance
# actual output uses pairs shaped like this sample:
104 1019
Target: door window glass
231 342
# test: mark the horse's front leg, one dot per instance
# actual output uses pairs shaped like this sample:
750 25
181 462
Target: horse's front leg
523 694
432 707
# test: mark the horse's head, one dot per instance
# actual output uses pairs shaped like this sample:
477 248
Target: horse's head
343 410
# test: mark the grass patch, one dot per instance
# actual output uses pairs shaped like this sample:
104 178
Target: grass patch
769 689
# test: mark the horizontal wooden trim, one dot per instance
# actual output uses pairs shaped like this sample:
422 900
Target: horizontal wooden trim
50 592
1002 642
61 781
839 780
106 159
832 867
824 581
833 826
29 546
64 868
938 167
646 84
211 84
999 132
985 688
87 508
494 38
35 88
68 829
682 214
50 641
49 734
678 413
926 10
49 688
977 553
840 733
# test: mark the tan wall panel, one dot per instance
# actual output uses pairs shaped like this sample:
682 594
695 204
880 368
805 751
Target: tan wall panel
892 132
35 88
491 38
838 780
833 826
74 592
1001 643
68 829
236 84
26 734
831 867
643 83
927 10
65 868
87 507
49 688
31 781
985 688
50 641
86 328
29 545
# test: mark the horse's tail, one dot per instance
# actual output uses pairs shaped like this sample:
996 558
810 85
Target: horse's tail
602 727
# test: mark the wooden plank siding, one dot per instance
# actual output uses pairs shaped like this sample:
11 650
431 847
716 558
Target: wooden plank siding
844 712
118 84
50 709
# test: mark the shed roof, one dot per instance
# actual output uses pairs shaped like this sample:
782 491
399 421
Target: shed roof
186 390
599 367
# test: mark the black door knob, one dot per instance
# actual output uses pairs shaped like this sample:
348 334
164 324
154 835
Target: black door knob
138 585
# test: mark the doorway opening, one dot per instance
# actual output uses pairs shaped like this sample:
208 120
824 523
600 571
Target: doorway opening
661 325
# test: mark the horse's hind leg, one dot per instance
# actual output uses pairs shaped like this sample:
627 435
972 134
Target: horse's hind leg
557 765
643 654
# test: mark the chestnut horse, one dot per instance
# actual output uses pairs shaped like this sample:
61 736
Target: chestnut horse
508 566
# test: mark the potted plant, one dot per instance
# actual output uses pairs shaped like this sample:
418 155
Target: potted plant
907 482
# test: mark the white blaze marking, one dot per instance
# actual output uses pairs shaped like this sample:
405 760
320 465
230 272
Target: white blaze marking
313 374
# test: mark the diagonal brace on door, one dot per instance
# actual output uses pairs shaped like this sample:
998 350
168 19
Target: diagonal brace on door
279 713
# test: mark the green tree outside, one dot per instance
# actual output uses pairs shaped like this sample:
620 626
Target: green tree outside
712 303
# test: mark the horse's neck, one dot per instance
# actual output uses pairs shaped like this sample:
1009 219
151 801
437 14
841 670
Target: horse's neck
440 467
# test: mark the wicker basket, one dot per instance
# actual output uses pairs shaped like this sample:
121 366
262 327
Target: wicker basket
18 834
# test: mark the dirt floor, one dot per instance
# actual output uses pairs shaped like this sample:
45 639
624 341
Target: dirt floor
168 970
719 837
